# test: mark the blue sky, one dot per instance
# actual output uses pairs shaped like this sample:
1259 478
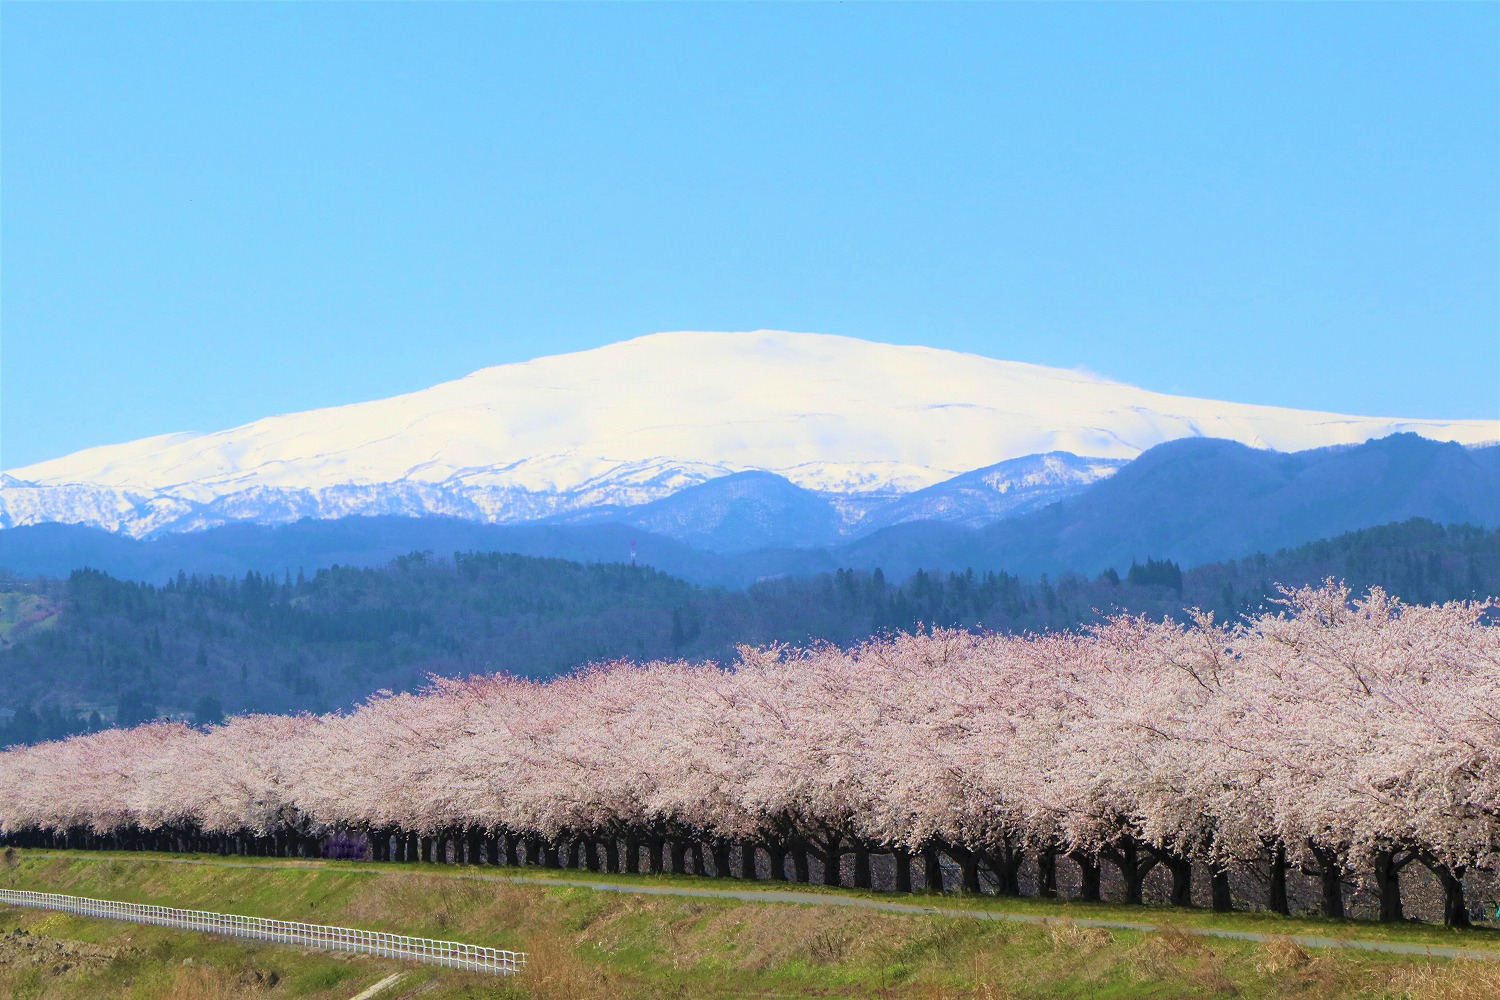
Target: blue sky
216 212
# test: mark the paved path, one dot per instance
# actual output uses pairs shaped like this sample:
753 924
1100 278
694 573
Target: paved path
828 899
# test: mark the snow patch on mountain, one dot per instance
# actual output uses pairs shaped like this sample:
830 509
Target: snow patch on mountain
1006 489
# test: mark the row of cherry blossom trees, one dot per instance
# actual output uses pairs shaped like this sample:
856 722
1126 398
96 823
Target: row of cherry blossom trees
1342 738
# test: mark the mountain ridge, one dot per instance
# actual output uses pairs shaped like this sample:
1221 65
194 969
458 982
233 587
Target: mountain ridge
639 420
1247 500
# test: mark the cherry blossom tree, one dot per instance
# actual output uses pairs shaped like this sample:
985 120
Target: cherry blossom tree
1350 738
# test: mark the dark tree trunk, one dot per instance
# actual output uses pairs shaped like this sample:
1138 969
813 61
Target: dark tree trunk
1277 900
1046 873
1006 860
1220 897
1455 909
474 837
591 855
776 851
632 855
1090 876
1332 884
699 868
679 857
512 849
1125 854
654 855
862 879
932 870
612 856
832 867
1388 867
575 850
969 868
1182 879
721 858
903 870
747 861
1330 874
799 863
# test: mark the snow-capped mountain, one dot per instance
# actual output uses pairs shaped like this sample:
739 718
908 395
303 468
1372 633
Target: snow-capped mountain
1003 490
863 425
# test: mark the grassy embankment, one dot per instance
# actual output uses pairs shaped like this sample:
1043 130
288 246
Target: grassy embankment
586 944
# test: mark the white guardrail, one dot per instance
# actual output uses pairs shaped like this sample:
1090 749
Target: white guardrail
450 954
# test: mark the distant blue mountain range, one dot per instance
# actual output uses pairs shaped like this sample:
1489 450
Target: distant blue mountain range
1194 500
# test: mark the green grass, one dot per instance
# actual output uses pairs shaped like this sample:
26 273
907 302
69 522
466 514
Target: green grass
587 944
151 963
1412 932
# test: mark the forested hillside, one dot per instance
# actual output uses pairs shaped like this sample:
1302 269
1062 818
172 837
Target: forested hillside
91 649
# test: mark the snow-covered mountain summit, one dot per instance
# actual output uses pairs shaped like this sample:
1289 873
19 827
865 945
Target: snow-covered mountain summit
642 419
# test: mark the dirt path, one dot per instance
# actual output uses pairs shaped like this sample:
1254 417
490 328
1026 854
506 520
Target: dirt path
821 899
389 982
